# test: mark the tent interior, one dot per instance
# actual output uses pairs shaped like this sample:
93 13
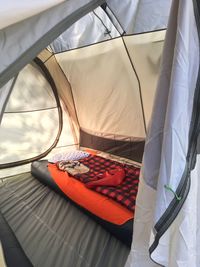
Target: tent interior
75 76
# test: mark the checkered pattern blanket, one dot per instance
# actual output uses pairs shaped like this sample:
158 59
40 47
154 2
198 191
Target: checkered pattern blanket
125 193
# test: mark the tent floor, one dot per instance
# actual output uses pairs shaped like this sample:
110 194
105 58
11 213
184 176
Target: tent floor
12 252
52 231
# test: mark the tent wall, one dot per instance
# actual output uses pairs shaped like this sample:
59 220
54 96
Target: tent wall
112 19
104 109
64 89
4 96
98 26
97 88
167 209
110 104
121 89
31 121
30 108
127 147
145 51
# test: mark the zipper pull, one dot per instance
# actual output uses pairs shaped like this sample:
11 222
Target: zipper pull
167 187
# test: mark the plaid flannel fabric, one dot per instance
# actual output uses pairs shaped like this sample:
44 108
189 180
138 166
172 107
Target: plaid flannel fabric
125 193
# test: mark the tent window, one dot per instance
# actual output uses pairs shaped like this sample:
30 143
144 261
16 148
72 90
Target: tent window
32 119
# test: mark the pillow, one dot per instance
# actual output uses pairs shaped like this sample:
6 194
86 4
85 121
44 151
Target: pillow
70 155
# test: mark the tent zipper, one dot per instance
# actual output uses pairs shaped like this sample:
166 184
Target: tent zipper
172 211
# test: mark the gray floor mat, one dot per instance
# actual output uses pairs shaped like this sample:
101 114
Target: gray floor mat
54 233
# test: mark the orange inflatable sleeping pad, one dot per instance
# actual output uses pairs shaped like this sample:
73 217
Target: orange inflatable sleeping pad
102 206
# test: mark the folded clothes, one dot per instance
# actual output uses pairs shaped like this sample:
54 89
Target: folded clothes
109 178
73 167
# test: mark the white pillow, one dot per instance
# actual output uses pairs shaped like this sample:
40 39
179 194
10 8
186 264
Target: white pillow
70 155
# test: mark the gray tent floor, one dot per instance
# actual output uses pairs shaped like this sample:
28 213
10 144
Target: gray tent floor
52 231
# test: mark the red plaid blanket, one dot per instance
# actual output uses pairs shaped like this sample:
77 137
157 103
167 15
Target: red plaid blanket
125 193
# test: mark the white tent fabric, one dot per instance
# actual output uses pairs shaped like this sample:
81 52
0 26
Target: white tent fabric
4 94
97 27
19 44
14 11
141 15
165 152
30 122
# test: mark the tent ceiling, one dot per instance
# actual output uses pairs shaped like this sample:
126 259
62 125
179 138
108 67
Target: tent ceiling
98 26
12 12
48 19
19 45
136 16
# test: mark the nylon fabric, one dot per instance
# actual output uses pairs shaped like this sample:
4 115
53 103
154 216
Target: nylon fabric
45 27
25 122
65 92
64 237
97 27
141 15
97 204
122 107
167 140
31 92
4 94
13 12
10 249
146 51
20 133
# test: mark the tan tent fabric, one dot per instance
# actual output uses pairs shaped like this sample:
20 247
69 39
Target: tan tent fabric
117 106
145 51
65 92
2 259
107 101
